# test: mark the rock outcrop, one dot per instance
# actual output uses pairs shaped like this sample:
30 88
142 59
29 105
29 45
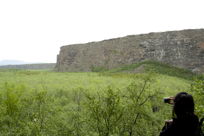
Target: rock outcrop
184 49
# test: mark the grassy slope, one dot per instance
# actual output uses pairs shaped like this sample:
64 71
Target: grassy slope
157 67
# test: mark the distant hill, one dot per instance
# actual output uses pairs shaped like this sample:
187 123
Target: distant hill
30 66
12 62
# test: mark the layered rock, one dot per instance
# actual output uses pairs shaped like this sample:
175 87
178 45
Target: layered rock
184 49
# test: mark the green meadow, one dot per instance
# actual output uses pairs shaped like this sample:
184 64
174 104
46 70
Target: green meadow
103 103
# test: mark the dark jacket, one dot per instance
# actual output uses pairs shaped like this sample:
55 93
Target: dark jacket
182 127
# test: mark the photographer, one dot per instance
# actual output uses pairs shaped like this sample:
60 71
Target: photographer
184 122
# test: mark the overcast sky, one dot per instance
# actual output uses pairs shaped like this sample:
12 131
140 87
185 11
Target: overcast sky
34 30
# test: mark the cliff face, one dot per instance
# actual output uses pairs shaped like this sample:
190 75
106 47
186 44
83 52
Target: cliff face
183 49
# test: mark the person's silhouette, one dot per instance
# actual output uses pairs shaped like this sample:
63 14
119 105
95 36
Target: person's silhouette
184 121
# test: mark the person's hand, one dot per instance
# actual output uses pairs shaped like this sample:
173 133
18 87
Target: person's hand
168 122
171 100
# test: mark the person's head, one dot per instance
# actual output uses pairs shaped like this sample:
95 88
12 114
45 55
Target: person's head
183 104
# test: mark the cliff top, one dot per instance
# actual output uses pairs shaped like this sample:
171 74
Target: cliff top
185 32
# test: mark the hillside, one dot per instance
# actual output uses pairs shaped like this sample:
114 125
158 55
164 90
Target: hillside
30 66
153 66
183 49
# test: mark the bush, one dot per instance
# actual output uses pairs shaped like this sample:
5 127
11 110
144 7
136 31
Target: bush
123 112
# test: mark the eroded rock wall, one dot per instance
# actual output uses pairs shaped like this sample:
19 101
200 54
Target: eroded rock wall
183 49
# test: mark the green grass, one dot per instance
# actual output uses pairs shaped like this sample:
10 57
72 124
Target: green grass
89 81
169 80
157 67
40 103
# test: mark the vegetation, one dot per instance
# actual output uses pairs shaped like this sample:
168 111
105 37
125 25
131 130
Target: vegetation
157 67
47 103
197 89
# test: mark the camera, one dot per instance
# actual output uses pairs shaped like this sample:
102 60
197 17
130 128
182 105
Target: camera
168 100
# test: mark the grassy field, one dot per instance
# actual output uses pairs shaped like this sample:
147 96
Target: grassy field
42 103
90 81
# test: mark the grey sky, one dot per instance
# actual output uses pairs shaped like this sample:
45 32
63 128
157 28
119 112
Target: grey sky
34 30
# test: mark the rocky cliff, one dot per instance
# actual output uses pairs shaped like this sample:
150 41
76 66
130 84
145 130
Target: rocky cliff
183 49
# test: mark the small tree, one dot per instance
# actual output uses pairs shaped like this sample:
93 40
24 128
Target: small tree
104 112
